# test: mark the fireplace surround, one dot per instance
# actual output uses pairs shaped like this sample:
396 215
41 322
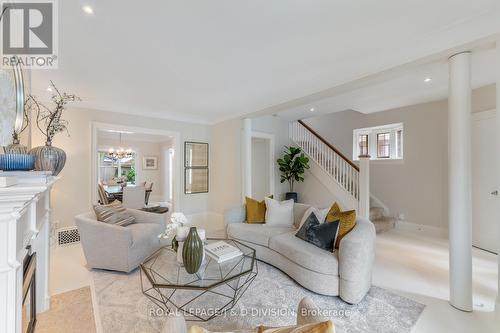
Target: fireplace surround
29 293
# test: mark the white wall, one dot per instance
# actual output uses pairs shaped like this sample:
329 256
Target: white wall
417 186
72 194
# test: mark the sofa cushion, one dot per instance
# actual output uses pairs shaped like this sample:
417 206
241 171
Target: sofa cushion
255 233
255 210
347 221
305 254
279 213
322 235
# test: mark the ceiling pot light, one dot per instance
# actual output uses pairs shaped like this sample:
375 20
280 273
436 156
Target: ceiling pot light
311 110
428 79
88 10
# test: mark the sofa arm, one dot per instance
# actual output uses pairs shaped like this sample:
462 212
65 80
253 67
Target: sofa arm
147 217
235 215
356 257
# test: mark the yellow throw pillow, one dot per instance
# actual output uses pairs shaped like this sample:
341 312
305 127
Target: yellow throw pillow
324 327
347 221
256 210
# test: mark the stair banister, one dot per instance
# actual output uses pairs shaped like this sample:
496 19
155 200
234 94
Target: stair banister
351 179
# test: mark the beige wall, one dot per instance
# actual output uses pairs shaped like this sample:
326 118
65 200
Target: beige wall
225 172
72 194
417 186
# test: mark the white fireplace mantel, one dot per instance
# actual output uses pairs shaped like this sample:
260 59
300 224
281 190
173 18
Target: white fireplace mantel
24 221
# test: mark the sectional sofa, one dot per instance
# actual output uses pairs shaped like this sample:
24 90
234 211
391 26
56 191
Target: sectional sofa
347 272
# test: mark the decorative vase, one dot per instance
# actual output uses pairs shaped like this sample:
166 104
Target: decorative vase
49 158
16 148
16 162
175 244
192 252
291 195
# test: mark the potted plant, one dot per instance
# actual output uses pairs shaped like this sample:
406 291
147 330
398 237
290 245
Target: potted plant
292 165
50 122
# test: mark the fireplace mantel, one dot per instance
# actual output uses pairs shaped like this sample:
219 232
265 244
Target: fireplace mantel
24 221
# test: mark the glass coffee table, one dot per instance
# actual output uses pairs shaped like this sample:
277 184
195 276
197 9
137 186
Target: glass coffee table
210 292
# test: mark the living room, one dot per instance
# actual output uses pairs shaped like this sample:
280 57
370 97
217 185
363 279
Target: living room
307 175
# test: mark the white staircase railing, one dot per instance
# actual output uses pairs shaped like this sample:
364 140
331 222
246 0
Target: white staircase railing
332 161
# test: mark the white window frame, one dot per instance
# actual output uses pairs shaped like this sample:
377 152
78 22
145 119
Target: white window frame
372 141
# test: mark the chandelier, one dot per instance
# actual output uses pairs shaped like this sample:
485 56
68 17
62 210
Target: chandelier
120 153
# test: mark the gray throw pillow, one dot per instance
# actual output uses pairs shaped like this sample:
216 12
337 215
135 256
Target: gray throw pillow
323 235
114 213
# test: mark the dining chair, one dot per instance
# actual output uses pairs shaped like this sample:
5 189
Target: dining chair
133 197
103 196
149 189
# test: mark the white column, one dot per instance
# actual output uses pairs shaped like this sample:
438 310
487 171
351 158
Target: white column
364 186
459 181
247 157
498 158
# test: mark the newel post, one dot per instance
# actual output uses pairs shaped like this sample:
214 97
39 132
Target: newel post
364 186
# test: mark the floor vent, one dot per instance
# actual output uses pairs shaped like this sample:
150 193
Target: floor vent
66 236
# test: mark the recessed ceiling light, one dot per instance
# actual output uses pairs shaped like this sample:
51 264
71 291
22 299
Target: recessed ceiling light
428 79
311 110
88 10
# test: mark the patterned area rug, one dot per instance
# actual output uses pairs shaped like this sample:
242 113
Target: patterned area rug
271 300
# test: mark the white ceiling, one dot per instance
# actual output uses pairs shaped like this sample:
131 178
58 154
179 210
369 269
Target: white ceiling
205 61
406 87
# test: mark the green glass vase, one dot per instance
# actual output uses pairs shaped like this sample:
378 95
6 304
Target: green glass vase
192 252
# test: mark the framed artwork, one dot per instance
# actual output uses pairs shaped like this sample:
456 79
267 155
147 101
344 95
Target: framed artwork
150 163
195 154
195 167
195 180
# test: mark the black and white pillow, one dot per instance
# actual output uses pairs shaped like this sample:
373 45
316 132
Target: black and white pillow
323 235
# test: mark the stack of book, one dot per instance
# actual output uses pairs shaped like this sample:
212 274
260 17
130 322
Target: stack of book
221 251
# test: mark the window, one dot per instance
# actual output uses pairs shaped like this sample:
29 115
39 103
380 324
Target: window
384 145
363 144
380 142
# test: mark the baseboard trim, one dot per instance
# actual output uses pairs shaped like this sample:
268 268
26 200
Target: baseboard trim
421 228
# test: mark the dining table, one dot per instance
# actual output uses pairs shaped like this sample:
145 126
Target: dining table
116 191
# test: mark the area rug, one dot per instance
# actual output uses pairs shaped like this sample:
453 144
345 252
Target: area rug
271 300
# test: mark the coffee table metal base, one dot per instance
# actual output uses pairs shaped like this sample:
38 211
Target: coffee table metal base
200 305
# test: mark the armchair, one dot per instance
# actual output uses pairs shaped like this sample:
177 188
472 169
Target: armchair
117 248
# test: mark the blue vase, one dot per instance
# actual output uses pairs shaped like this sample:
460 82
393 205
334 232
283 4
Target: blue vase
17 162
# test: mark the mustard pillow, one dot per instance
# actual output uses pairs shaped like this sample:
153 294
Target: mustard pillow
324 327
256 210
347 221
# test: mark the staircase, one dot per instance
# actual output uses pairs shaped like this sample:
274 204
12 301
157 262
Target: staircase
338 173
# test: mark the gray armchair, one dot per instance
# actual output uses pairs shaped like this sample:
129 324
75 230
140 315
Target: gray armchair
117 248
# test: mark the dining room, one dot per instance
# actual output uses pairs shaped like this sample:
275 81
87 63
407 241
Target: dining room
134 168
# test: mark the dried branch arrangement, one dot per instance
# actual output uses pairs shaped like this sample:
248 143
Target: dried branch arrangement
49 119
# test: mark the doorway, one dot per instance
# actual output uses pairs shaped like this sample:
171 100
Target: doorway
143 162
262 165
484 202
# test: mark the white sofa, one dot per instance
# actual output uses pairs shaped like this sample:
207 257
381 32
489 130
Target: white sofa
346 273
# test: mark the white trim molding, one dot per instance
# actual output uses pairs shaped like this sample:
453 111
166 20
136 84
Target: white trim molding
271 139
